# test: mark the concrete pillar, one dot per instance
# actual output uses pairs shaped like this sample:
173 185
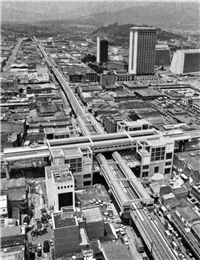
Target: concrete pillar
7 170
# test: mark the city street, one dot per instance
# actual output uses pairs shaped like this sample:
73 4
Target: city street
11 59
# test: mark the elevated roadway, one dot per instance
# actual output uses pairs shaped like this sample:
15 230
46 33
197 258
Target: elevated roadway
85 124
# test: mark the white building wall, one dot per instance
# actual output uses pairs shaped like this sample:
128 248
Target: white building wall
133 46
98 49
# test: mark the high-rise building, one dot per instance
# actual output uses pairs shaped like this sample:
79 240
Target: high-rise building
186 62
162 55
102 50
142 50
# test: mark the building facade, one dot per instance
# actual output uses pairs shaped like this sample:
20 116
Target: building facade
60 186
142 43
186 62
66 233
80 164
156 156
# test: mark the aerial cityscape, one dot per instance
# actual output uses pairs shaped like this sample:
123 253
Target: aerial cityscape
100 130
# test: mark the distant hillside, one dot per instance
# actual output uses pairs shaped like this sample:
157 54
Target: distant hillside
166 15
119 34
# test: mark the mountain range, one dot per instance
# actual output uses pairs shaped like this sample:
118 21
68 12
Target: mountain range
166 15
163 15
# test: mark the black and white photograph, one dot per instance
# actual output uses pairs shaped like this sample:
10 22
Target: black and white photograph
100 130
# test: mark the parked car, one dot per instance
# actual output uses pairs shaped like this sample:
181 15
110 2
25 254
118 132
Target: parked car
30 246
39 246
51 242
43 211
34 248
39 252
46 246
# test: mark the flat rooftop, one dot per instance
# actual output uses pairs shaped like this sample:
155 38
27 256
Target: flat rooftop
187 213
192 158
157 142
72 152
115 250
136 28
149 92
10 231
57 153
64 222
60 173
92 214
16 252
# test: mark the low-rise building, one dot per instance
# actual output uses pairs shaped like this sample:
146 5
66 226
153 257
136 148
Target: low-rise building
195 229
122 75
187 215
148 94
13 243
195 191
139 124
57 133
194 103
60 186
107 79
111 122
94 222
66 233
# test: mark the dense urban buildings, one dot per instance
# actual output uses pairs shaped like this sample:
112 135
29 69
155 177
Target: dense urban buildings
142 50
99 158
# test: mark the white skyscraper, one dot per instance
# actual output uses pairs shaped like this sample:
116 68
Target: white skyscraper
142 44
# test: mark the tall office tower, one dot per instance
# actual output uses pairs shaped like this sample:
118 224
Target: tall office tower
142 50
102 50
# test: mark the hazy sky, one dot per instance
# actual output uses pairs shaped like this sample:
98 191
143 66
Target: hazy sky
38 10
